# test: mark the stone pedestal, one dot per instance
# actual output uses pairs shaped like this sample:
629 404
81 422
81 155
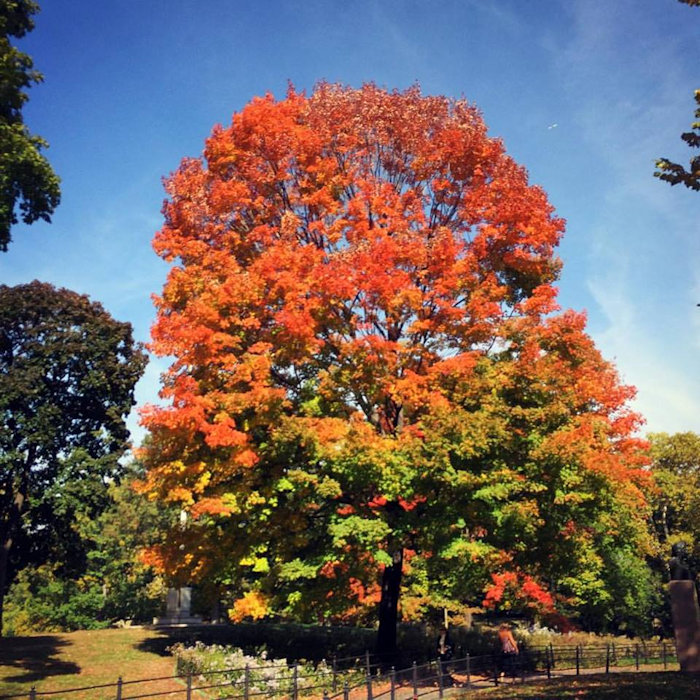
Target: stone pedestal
686 624
177 608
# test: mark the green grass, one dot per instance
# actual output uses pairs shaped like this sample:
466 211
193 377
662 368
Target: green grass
52 662
659 685
56 662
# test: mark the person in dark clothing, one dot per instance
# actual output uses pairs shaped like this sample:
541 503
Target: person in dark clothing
444 650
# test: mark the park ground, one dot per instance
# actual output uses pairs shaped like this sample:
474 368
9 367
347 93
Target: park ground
54 662
57 662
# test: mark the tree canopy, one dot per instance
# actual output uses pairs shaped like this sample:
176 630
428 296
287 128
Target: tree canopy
676 501
27 181
370 382
67 376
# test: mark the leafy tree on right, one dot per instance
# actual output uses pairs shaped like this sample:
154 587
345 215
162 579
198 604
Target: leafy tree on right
675 173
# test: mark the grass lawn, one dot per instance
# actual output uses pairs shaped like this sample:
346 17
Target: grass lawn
56 662
59 661
671 685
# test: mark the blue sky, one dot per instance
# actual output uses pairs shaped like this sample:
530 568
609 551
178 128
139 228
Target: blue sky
585 93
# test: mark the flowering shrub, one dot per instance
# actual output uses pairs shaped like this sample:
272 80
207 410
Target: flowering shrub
224 666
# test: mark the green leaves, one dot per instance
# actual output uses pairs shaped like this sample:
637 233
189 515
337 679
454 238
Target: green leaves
674 173
67 377
27 181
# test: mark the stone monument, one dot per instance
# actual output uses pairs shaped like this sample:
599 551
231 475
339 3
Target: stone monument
684 609
177 608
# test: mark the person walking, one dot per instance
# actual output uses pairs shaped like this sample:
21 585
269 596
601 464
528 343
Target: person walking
444 650
509 650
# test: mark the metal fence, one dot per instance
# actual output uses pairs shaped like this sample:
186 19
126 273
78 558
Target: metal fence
367 678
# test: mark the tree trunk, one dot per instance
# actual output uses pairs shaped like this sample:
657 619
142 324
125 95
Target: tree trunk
4 559
389 609
7 532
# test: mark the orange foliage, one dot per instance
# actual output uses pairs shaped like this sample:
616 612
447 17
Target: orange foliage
253 605
515 591
352 273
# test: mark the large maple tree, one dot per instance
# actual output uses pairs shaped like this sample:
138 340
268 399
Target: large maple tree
368 369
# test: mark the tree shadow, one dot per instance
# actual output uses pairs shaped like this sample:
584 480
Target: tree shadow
35 658
158 645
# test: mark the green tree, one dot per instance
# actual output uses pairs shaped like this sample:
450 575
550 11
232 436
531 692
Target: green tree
67 377
99 578
27 181
676 501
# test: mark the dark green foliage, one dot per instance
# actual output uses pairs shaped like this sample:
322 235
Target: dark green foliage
27 181
67 376
98 579
676 173
114 541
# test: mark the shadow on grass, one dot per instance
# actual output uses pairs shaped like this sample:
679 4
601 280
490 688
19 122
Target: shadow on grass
290 641
34 658
669 685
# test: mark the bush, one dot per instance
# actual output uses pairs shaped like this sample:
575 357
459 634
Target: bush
39 601
220 667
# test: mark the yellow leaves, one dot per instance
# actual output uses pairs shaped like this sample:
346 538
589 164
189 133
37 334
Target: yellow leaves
202 482
255 499
253 605
179 494
259 565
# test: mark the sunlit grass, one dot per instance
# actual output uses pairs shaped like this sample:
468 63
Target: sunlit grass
670 685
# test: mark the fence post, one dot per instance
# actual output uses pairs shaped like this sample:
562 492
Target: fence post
614 654
469 670
189 686
549 665
551 653
246 682
335 673
646 652
607 658
295 681
578 660
369 687
32 693
325 695
119 688
663 654
636 656
346 691
495 668
368 665
392 677
415 681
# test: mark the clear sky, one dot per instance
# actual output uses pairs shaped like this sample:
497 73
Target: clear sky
585 93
